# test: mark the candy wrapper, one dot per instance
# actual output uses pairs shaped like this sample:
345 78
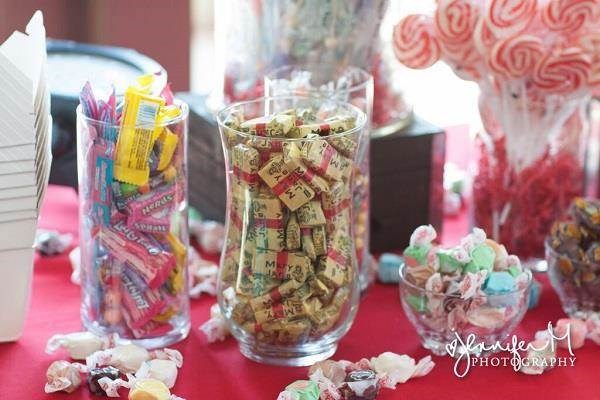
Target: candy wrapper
473 288
216 328
289 260
129 358
134 236
52 242
63 376
345 380
80 345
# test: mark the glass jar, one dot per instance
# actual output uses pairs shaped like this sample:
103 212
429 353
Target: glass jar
355 86
133 236
288 282
439 317
576 282
531 165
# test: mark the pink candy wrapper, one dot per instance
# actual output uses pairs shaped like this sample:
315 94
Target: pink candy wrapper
63 376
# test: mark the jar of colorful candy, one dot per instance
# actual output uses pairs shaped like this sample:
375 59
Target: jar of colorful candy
355 86
288 283
133 213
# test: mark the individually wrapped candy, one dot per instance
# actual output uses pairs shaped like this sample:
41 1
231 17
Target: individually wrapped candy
362 380
474 287
576 329
129 358
539 357
95 374
162 370
63 376
301 390
80 345
216 328
209 234
139 389
52 242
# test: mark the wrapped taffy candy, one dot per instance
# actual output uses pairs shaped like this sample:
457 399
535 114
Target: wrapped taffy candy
133 214
474 288
289 263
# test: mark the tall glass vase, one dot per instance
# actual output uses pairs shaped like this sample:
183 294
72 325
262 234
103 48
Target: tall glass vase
288 283
531 164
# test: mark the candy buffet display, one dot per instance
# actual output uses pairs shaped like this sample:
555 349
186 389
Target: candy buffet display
133 213
536 64
355 86
362 380
288 283
474 288
573 256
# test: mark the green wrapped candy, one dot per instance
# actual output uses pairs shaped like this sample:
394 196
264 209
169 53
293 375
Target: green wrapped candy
419 303
418 254
448 264
306 390
482 257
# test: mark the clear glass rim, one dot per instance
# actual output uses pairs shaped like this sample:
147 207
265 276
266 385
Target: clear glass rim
367 78
403 281
185 110
556 254
360 121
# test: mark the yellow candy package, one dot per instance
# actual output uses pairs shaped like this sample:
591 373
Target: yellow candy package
138 133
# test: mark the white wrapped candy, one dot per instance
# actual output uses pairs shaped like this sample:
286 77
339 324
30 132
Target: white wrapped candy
63 376
79 345
129 358
126 358
162 370
216 327
394 368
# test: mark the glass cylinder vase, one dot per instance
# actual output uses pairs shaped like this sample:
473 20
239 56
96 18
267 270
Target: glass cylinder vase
288 282
353 85
133 235
531 165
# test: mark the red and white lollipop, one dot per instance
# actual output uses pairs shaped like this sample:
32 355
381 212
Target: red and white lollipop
516 56
455 21
570 16
509 17
415 43
564 71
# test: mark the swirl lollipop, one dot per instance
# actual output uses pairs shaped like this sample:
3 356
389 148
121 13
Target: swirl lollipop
569 16
455 21
483 37
516 56
415 44
590 43
562 72
508 17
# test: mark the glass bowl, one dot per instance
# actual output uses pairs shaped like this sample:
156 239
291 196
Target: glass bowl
576 282
450 325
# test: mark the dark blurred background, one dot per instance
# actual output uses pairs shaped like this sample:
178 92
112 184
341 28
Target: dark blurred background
161 29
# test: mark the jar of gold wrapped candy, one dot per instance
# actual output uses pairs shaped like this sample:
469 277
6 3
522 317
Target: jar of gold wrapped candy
133 213
288 283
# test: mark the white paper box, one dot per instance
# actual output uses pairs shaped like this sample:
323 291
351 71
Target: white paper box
16 269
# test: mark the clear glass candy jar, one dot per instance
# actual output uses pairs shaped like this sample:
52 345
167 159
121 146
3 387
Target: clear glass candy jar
133 220
288 283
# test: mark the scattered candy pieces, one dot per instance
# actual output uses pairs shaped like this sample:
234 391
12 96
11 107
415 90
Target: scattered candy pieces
216 328
50 243
345 380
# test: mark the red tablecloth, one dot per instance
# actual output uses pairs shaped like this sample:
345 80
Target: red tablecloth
219 371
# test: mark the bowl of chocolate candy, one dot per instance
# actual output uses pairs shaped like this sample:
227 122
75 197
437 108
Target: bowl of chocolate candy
573 256
462 299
